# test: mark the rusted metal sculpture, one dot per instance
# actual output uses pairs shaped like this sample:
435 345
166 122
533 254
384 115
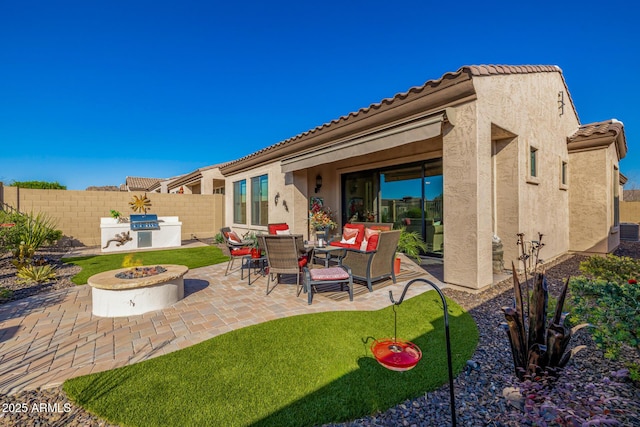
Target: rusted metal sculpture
536 348
140 203
120 239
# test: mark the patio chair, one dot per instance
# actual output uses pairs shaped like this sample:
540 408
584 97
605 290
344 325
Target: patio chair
373 265
285 255
237 247
327 276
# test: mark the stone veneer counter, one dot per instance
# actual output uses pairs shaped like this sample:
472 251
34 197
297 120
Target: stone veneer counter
114 297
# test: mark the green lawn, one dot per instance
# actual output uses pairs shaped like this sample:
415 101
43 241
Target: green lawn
298 371
191 257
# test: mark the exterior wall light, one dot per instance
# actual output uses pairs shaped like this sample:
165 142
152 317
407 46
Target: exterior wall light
318 183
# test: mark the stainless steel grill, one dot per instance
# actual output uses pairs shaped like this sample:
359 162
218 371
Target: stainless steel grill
144 222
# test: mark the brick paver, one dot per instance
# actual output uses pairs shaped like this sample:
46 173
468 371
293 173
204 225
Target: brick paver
46 339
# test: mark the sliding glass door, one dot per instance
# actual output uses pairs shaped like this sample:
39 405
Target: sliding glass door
409 196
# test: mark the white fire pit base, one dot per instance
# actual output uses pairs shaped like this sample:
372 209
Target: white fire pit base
114 297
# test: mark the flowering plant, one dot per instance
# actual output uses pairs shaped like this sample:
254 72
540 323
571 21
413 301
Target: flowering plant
321 218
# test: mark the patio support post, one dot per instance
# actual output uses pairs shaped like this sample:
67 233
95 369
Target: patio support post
447 337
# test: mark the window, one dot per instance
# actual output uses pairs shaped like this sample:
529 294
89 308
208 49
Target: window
240 202
533 161
563 173
260 200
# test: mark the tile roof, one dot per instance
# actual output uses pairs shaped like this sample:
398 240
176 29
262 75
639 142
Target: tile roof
612 127
469 70
140 183
599 134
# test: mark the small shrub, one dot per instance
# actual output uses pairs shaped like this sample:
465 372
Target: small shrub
611 268
39 185
10 236
5 293
218 238
36 274
614 309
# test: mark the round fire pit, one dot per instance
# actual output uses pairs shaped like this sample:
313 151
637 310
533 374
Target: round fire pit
133 291
396 354
139 272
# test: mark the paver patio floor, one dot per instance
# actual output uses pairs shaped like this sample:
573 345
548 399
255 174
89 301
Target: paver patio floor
48 338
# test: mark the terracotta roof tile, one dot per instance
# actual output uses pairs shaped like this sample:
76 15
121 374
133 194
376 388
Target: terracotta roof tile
600 133
612 127
139 183
473 70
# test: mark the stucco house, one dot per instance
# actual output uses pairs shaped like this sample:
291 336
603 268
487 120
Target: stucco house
482 151
205 180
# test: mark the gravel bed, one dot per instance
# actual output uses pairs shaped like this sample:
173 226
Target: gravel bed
478 390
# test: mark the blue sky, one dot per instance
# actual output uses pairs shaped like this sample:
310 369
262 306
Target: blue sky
85 84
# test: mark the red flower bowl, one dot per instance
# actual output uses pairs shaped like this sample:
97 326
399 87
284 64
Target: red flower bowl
396 354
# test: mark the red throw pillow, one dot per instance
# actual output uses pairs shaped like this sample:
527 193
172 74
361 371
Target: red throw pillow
233 237
368 232
360 228
372 242
275 227
349 235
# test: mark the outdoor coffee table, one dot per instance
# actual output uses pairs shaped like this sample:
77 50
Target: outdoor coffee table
258 265
326 254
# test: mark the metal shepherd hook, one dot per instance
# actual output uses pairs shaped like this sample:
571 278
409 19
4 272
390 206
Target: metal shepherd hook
448 339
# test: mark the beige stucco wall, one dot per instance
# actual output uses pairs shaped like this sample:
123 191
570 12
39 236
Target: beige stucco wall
290 207
526 105
466 198
592 184
630 212
78 213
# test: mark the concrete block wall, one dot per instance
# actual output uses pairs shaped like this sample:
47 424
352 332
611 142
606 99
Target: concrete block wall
630 212
78 213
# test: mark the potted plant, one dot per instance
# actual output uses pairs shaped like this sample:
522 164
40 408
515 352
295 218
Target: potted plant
410 244
321 219
252 239
115 214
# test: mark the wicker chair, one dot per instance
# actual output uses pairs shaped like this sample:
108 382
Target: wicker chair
371 266
285 255
236 249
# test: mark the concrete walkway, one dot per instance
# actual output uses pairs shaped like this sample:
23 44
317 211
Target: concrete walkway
49 338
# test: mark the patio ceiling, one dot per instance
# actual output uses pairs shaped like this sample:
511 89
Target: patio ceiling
385 139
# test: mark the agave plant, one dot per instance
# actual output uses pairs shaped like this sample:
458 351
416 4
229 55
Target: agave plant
33 232
36 273
537 348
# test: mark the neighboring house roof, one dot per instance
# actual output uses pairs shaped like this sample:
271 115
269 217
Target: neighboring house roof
191 177
452 87
599 134
623 179
134 183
